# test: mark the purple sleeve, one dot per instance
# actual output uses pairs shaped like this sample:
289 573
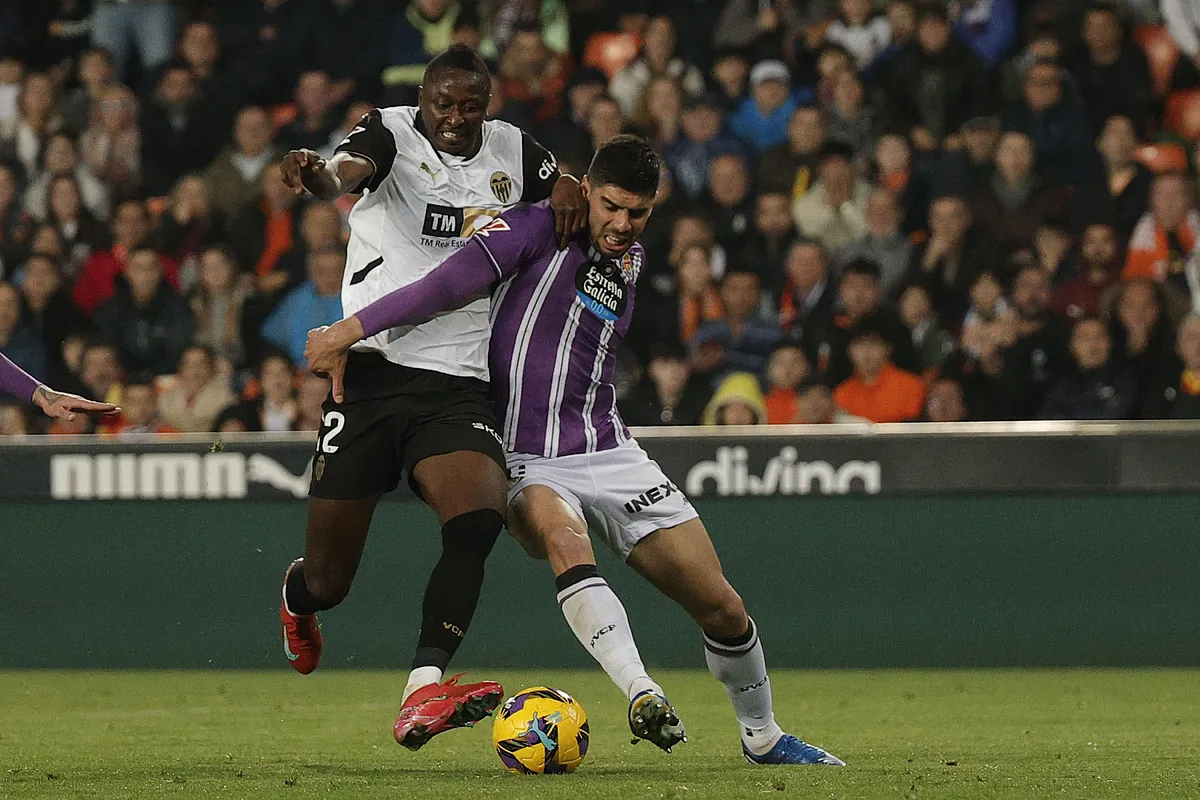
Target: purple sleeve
16 381
492 254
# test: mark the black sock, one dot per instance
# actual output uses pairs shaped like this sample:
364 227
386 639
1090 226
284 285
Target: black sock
454 584
736 642
299 599
575 574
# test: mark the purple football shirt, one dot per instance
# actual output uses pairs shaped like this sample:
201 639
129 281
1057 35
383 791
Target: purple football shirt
557 319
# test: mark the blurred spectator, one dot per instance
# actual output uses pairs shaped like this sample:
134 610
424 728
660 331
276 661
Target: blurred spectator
693 302
1183 21
690 156
603 122
216 305
1097 268
13 420
180 133
1141 333
187 226
990 322
567 136
199 49
1043 44
20 343
148 25
148 321
12 77
657 59
139 410
762 119
1167 235
988 27
1122 193
347 43
419 32
932 344
100 371
111 146
815 406
738 400
533 75
669 394
728 204
860 298
310 398
275 408
659 112
316 118
81 234
1112 73
769 242
1098 389
832 61
95 283
878 390
902 25
1052 243
503 18
197 394
94 74
729 75
1055 123
791 166
945 402
848 118
1177 396
741 342
16 226
809 295
966 171
23 137
265 230
234 177
884 243
59 31
955 253
61 157
862 33
1016 201
47 309
263 40
314 303
833 210
761 28
787 369
1040 352
934 84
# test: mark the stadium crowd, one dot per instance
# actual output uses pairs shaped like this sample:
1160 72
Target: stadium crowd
890 211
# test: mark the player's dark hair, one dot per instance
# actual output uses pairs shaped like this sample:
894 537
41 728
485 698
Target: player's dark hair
627 162
456 56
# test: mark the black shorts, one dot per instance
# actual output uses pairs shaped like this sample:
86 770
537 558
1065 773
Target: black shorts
392 418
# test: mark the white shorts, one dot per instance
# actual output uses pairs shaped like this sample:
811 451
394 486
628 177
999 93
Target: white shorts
620 493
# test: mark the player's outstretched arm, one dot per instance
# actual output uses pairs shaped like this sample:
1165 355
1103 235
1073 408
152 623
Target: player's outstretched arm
305 170
19 383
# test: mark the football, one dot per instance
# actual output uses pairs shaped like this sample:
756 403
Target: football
541 731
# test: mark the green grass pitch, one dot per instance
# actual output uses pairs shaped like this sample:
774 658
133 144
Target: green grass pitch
905 734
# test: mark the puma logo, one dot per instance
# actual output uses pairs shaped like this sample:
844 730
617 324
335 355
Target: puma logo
430 171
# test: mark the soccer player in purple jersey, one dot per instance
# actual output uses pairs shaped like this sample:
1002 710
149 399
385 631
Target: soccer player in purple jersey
557 318
60 405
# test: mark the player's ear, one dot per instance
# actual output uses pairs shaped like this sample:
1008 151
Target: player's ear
585 186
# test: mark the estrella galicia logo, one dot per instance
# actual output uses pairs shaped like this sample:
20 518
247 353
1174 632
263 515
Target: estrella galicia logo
443 221
602 290
652 496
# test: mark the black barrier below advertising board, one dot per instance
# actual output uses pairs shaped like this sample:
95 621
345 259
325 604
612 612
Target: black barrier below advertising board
864 460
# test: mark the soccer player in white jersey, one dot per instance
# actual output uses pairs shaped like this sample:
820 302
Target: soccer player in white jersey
557 319
416 398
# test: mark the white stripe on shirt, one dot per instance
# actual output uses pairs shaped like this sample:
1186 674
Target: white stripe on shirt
597 369
516 370
561 362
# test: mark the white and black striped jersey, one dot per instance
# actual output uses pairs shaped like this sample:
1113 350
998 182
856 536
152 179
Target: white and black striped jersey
420 206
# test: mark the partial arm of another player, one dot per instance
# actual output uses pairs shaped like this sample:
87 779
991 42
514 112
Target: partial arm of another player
325 179
22 385
460 278
544 180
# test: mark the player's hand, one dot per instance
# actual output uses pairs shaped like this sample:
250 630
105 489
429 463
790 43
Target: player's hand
326 351
303 171
60 405
570 209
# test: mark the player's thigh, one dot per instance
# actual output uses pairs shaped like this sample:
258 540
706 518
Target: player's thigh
459 482
547 526
682 563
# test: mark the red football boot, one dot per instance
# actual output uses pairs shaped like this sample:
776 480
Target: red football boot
439 707
301 634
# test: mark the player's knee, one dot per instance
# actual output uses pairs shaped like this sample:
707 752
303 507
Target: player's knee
723 617
567 547
469 538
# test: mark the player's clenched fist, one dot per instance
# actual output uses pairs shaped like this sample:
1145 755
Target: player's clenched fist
306 170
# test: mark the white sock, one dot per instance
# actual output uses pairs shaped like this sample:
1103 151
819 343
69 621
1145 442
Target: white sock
743 670
598 620
421 676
